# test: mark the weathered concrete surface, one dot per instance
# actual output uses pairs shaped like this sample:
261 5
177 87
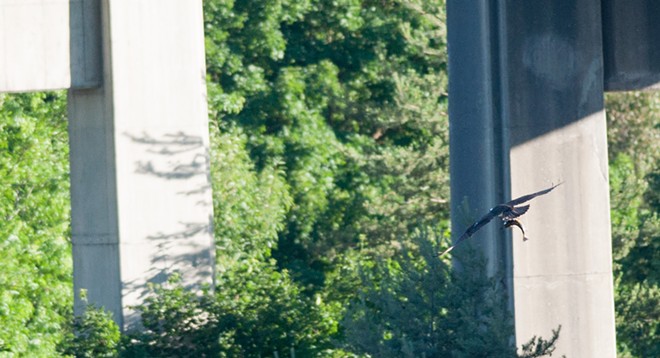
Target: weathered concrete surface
563 274
141 200
526 111
553 110
48 44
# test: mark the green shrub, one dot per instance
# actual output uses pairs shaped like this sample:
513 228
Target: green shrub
92 334
256 310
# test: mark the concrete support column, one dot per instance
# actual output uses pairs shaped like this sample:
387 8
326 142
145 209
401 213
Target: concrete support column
477 161
526 111
140 190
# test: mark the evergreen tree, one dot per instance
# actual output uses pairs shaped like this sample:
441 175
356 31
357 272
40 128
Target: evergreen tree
415 305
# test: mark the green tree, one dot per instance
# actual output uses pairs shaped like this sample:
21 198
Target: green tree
35 280
348 100
249 206
341 106
255 311
633 132
415 305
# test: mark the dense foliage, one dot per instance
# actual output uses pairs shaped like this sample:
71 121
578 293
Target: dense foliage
634 141
35 279
344 99
415 305
329 166
93 334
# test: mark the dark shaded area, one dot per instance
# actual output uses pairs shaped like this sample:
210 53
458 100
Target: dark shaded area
85 34
631 44
552 67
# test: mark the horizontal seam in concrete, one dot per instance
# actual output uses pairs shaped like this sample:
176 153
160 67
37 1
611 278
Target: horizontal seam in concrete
93 236
567 274
95 243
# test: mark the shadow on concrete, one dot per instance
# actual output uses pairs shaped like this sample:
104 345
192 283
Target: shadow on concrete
180 163
178 166
176 156
169 143
178 253
195 167
554 68
175 253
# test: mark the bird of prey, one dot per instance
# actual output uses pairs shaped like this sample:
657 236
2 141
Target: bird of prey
508 212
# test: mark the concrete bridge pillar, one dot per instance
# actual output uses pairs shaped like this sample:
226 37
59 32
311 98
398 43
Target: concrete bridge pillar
141 203
526 111
140 194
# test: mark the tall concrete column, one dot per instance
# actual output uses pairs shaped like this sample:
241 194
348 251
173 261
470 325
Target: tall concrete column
140 190
477 162
526 112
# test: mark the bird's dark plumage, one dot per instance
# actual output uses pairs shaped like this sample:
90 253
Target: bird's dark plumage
508 212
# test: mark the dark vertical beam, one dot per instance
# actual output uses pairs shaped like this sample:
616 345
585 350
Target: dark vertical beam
475 131
85 49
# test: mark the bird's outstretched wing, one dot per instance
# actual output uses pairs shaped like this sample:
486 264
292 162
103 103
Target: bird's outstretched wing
529 197
473 228
509 213
515 212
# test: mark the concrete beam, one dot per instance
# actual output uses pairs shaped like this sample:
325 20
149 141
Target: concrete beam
34 45
631 44
85 44
49 44
526 111
140 190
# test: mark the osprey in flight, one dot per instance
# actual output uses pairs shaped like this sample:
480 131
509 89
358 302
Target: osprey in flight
508 212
